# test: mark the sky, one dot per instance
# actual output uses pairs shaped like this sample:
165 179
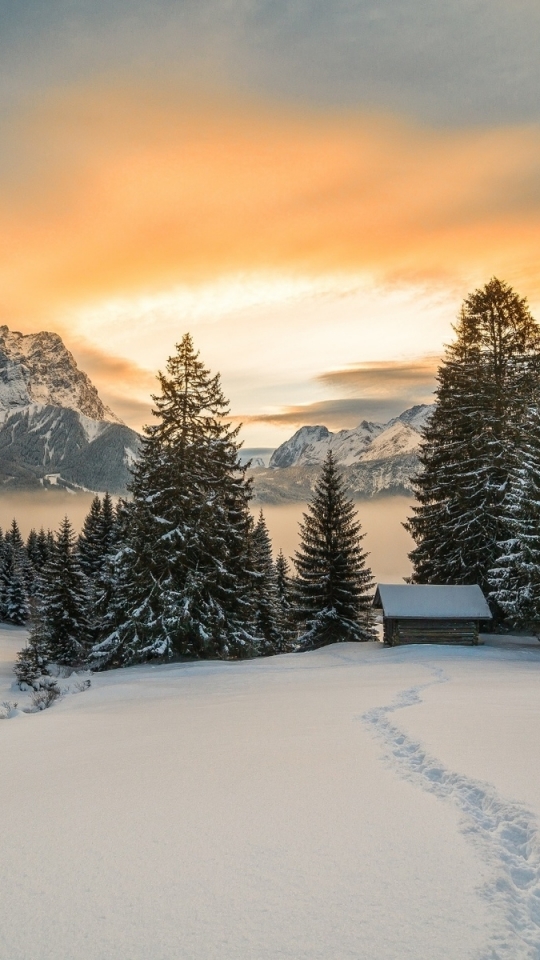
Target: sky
309 188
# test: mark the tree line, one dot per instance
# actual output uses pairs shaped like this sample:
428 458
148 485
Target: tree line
20 568
181 569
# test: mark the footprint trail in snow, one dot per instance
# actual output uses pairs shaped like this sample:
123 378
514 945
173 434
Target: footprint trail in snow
505 833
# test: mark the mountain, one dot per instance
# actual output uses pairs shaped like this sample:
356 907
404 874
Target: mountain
375 458
54 428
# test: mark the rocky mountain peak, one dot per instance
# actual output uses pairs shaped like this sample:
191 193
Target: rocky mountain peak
367 441
37 369
299 446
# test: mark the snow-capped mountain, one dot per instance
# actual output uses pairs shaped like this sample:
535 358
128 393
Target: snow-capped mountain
37 369
375 458
368 441
54 428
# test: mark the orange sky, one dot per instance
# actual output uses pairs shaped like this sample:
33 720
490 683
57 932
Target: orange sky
105 192
111 192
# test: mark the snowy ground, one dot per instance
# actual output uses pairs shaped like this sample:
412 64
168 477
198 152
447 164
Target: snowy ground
354 802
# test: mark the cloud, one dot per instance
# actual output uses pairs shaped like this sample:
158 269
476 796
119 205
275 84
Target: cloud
123 385
109 191
337 414
135 413
115 371
386 388
384 378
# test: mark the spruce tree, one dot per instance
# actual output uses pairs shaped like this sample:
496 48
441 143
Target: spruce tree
89 543
334 585
60 630
32 549
108 524
32 662
13 536
182 584
471 443
13 585
285 595
515 579
6 577
17 600
266 601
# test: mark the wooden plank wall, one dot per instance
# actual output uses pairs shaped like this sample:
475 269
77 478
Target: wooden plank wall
430 631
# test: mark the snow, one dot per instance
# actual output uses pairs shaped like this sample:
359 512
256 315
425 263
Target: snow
92 428
395 440
354 802
38 370
367 442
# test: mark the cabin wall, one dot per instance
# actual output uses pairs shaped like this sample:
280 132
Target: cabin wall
402 630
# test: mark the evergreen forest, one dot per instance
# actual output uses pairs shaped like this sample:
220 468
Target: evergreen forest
181 569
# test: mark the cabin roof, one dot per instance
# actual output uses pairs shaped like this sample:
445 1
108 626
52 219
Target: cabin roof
432 602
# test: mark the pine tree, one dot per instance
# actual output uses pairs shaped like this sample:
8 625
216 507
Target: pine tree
13 586
108 523
333 587
285 595
13 536
515 579
60 626
472 441
32 662
90 542
181 583
32 549
6 577
17 600
265 592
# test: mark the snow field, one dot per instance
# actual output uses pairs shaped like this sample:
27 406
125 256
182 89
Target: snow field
305 806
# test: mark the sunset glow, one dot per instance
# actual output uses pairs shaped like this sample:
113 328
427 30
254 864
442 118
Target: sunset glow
292 239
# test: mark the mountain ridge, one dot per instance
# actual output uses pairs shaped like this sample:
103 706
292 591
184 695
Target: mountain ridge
375 459
55 431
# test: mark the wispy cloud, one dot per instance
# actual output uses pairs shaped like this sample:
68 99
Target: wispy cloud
384 378
123 385
377 391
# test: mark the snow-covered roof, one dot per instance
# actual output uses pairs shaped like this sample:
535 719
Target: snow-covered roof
433 602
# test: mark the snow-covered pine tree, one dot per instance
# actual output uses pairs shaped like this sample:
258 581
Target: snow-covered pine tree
472 440
334 585
89 543
96 537
182 586
13 536
32 662
13 589
32 548
46 545
60 629
6 575
267 612
288 626
515 579
17 599
108 524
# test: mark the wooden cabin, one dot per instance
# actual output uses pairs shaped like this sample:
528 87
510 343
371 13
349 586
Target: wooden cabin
418 613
